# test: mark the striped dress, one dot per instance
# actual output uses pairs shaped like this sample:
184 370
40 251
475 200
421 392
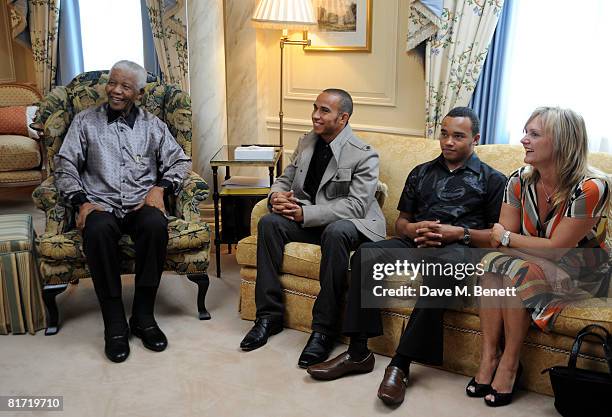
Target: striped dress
541 289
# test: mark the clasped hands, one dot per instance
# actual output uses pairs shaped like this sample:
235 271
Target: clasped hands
433 234
154 198
285 204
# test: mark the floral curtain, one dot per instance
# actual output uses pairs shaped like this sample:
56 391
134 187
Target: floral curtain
424 21
455 56
43 23
170 37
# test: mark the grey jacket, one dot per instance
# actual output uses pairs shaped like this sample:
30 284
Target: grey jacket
347 188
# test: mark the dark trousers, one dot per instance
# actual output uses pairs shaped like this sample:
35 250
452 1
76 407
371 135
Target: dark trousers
337 240
422 340
147 227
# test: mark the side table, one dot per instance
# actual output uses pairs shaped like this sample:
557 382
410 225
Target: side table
21 305
225 157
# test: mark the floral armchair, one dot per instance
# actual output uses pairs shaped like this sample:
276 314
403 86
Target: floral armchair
60 249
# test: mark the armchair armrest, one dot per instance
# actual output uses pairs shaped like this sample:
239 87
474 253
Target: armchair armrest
194 191
259 210
47 198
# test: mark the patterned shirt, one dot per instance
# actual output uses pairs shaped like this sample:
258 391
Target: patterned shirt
588 200
114 161
469 196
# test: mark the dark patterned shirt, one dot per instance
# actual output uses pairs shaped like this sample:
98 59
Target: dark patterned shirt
114 160
469 196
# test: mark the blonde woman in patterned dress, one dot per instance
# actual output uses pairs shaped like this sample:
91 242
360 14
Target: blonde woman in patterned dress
555 203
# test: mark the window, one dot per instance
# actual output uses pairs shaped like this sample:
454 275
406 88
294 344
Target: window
561 57
111 30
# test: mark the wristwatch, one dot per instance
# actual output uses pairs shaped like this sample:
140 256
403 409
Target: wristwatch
467 238
167 186
505 240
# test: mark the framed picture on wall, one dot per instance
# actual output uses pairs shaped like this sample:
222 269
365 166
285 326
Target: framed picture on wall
343 25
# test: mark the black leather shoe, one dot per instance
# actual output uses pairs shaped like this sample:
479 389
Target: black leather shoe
258 335
317 349
117 347
152 337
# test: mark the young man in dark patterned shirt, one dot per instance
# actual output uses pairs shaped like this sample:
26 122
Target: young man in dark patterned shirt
449 203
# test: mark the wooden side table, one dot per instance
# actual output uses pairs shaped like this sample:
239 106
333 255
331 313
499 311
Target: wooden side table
225 158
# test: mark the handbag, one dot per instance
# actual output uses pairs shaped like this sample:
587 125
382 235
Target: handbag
583 392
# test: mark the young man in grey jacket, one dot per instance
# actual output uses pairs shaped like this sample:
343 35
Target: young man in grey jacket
326 196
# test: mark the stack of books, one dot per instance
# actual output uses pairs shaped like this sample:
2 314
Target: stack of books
240 185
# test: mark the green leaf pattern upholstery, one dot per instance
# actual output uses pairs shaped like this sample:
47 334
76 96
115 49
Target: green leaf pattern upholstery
60 247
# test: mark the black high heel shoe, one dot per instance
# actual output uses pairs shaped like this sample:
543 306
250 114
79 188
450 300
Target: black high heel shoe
504 398
480 390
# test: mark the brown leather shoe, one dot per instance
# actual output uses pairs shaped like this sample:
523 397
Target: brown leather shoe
340 366
393 386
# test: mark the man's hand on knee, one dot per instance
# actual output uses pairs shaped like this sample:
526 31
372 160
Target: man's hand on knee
155 198
84 211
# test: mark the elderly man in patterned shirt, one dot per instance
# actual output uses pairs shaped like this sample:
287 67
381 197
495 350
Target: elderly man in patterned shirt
115 165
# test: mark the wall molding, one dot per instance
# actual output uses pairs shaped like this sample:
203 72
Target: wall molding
386 98
304 126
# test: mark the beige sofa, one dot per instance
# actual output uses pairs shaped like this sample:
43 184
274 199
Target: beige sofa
21 157
398 155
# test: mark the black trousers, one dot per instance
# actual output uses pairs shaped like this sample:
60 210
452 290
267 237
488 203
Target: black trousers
147 227
422 340
337 240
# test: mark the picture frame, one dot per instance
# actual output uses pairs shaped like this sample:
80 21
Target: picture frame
344 26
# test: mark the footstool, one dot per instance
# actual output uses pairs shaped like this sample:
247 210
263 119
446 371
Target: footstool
21 304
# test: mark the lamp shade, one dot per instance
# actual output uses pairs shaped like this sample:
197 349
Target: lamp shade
284 14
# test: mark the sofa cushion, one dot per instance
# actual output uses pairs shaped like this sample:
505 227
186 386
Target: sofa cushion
183 236
13 121
18 153
582 313
301 259
29 176
397 158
